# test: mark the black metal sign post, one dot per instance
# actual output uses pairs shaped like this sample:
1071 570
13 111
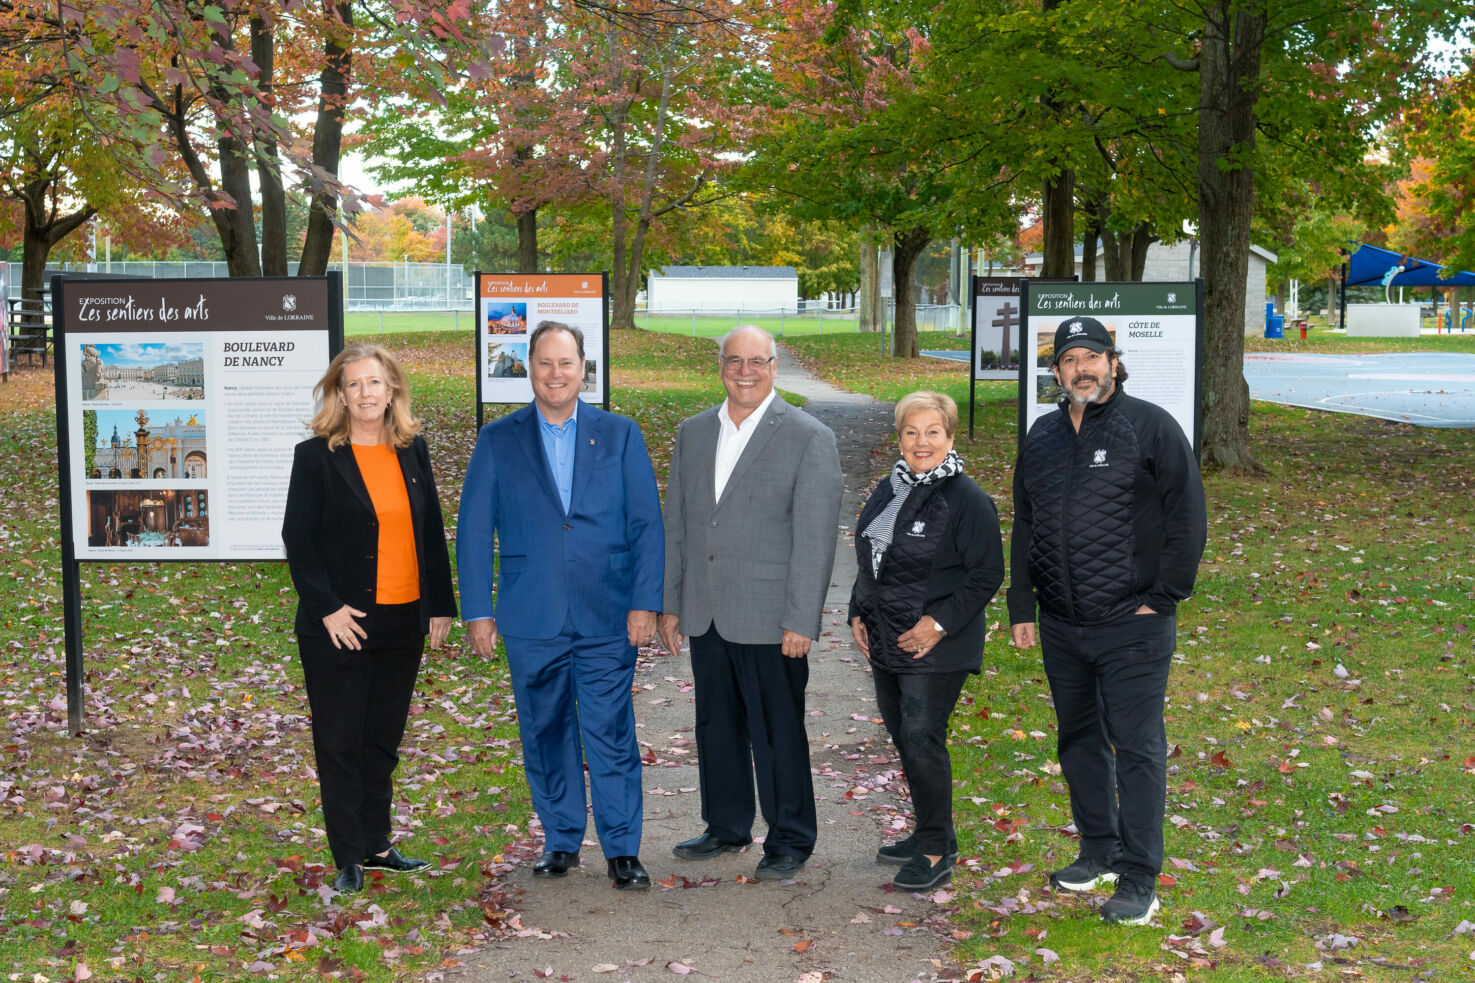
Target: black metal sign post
256 308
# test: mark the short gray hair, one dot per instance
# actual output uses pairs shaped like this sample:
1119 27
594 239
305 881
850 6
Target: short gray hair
772 345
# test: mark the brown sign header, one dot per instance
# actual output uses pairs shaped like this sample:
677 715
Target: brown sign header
286 304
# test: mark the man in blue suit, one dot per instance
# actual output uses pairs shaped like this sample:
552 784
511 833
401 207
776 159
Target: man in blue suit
568 491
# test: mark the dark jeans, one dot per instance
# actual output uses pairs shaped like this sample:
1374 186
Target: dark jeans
1108 683
360 701
915 707
750 720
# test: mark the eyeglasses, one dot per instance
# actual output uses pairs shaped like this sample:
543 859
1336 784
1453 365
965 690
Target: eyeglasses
734 362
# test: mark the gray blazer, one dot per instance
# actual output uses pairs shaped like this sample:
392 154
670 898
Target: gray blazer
759 560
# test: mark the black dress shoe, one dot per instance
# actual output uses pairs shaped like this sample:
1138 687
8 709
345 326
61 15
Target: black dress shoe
627 874
778 867
555 863
350 879
394 862
707 846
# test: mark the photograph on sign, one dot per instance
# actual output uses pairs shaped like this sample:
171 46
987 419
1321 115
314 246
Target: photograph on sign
145 444
508 360
143 371
512 307
153 518
505 318
996 316
184 400
1154 329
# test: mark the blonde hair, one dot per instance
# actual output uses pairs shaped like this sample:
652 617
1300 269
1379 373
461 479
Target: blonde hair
925 399
332 420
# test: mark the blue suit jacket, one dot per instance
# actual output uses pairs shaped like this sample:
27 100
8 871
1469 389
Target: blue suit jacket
602 559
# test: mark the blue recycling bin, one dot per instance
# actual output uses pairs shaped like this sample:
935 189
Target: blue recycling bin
1275 325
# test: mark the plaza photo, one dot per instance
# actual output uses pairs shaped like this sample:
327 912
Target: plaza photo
149 517
143 371
507 360
142 443
504 317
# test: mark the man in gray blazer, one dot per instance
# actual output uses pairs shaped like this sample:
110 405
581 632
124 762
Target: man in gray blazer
751 510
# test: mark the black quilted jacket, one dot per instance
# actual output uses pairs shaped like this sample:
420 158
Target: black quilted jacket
1107 519
946 560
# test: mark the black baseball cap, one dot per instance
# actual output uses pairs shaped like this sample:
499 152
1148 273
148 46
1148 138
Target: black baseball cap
1081 332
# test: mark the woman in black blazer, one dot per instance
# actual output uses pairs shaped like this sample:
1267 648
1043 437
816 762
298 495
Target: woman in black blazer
930 558
366 547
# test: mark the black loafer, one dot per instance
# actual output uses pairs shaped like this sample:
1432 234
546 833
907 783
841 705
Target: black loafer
350 879
707 846
628 874
903 850
394 862
555 863
778 867
921 874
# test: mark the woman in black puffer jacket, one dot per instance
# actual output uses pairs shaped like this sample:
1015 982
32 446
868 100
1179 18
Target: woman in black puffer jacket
930 559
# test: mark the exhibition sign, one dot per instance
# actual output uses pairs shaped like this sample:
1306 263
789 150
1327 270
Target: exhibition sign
1157 328
510 306
996 318
179 403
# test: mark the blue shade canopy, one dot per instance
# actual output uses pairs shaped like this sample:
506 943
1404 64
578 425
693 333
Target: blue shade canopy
1369 265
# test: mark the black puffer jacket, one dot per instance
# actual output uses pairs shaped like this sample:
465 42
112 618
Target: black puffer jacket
946 560
1107 519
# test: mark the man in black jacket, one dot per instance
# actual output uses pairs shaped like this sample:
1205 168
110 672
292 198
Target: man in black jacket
1109 527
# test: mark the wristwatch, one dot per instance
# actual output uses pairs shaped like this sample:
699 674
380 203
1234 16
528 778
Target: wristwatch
938 628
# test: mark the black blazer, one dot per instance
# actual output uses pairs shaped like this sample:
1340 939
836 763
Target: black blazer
332 535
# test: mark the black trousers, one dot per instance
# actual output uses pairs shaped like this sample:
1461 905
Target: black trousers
360 701
1108 683
750 722
915 707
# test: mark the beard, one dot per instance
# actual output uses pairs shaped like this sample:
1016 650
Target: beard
1101 391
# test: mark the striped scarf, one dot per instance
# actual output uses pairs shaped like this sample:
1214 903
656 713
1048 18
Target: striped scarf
903 480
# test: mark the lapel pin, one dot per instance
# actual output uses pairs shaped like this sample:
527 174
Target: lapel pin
591 441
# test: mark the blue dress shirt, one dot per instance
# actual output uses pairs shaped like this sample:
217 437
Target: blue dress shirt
558 448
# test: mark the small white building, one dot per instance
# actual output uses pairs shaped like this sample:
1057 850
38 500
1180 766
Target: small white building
722 288
1180 261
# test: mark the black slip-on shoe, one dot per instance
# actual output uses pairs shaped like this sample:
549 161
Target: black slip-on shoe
707 846
903 850
778 867
628 874
350 879
394 862
555 863
921 874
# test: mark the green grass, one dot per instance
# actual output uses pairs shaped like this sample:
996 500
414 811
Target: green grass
1351 550
1322 778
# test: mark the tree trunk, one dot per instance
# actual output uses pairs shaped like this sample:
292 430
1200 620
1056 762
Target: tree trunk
268 162
527 241
868 316
1111 248
327 143
1094 226
1229 70
44 228
1142 237
908 246
1058 214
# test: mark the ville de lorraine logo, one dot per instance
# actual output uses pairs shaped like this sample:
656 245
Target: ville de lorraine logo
1098 460
289 302
1172 298
1076 327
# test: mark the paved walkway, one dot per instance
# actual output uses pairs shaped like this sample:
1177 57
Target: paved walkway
838 921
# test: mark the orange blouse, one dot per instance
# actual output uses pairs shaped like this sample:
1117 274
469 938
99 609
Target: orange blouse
398 579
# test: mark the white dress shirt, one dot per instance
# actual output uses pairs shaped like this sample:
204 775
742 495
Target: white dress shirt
732 439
